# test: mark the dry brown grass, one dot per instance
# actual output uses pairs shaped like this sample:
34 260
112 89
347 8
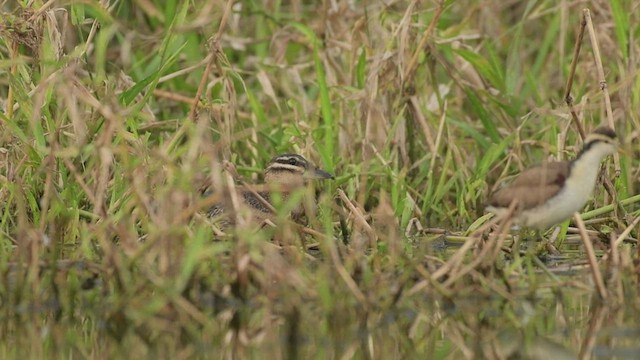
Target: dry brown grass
115 115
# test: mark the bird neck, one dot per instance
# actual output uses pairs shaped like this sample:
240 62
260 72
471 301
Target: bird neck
288 181
587 163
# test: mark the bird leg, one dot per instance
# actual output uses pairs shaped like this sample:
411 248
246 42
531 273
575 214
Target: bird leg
515 245
546 245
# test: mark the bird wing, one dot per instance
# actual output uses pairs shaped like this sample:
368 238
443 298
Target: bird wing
533 186
255 202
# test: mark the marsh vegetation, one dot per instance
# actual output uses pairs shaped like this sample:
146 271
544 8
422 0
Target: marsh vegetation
114 115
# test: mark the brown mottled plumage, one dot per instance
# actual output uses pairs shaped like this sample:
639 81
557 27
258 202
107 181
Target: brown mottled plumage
287 172
533 185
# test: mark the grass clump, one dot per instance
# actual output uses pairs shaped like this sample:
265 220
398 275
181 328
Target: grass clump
114 116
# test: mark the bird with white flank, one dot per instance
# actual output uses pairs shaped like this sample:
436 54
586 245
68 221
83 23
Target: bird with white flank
549 193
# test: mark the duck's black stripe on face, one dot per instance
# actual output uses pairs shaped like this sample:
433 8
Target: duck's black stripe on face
606 131
589 145
602 134
592 142
292 160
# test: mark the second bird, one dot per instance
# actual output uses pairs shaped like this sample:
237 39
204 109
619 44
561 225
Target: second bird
286 173
549 193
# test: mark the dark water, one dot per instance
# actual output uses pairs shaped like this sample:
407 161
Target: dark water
525 312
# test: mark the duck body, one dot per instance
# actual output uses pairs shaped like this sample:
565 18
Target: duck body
284 173
552 192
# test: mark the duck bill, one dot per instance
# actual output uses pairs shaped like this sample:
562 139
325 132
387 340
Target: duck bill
319 174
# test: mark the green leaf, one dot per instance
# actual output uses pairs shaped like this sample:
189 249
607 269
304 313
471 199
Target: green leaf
621 22
327 148
361 69
484 68
481 112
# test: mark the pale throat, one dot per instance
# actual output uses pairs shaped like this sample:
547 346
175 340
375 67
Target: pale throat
289 180
584 170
